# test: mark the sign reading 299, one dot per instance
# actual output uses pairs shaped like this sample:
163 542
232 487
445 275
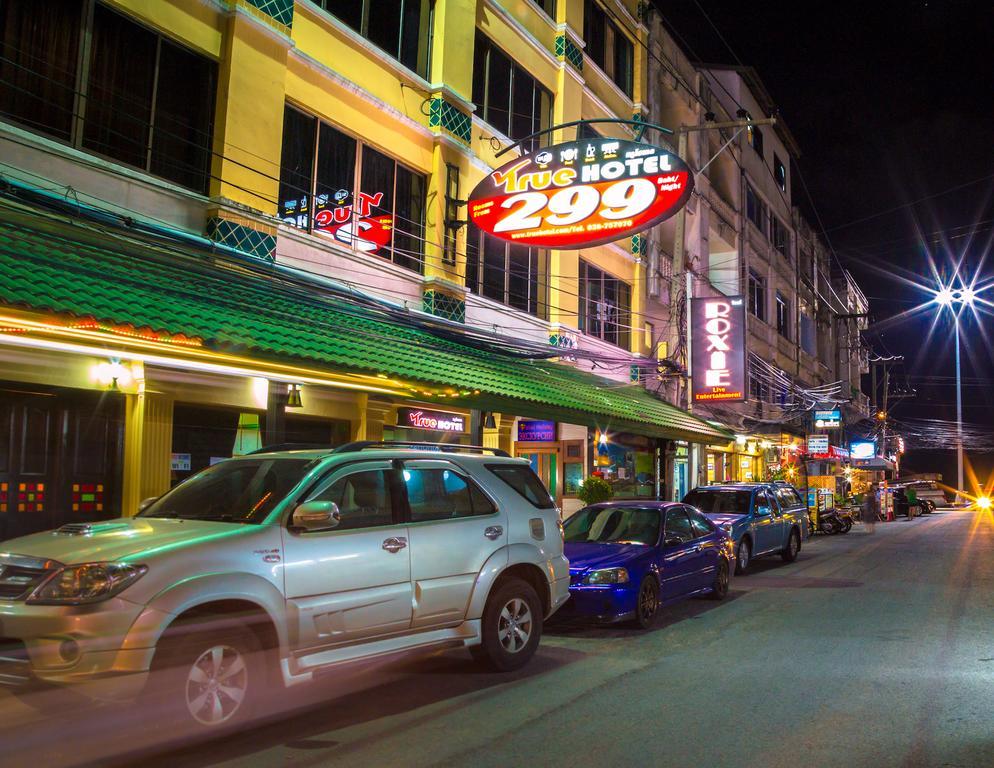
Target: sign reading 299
581 193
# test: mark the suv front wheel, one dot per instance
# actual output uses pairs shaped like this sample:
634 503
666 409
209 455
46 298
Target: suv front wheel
209 679
511 627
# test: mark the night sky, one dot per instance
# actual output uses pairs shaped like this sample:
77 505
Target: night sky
891 103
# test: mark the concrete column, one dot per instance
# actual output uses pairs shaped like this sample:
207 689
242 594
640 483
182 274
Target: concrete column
148 440
377 413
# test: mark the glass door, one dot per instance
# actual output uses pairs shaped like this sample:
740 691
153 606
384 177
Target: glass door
545 462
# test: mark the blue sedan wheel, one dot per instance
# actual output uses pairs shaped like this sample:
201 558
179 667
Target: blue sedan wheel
648 602
743 556
719 589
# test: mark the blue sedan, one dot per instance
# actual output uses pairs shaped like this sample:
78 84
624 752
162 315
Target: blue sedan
629 558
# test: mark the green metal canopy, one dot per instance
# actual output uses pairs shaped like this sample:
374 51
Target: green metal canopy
121 280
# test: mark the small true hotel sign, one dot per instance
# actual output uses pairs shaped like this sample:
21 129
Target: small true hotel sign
718 370
437 421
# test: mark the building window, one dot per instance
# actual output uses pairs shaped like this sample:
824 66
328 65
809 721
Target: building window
754 136
549 6
783 316
757 295
608 47
605 305
336 186
809 337
143 100
506 96
778 235
780 172
399 27
807 265
755 209
511 274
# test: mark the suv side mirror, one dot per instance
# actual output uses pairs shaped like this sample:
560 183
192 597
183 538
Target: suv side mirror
316 516
146 503
762 511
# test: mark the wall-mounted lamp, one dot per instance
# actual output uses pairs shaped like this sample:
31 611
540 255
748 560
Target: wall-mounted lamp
113 375
489 421
293 397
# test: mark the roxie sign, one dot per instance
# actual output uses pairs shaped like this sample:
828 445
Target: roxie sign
717 326
581 193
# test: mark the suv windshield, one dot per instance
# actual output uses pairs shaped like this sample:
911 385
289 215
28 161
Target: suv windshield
721 501
616 525
239 491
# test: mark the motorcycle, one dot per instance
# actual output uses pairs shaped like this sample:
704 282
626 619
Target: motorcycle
847 519
829 522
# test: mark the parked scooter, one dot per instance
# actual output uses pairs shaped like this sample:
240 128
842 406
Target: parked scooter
828 522
845 518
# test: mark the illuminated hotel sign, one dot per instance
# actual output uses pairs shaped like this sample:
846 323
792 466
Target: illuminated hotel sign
437 421
581 193
717 327
861 450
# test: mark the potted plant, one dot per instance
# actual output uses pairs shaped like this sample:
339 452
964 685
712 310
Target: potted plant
594 490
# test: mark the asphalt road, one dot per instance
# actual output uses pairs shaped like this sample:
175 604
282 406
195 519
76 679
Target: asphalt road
868 651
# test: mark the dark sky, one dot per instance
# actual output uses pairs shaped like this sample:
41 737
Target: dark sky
891 102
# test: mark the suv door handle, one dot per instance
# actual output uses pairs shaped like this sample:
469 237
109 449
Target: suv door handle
394 543
494 532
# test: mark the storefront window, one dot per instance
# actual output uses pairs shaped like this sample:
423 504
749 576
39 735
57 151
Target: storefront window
350 192
629 465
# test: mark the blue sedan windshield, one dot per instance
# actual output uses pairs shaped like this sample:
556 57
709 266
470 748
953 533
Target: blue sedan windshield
615 525
719 501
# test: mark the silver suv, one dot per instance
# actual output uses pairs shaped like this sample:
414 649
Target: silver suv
270 568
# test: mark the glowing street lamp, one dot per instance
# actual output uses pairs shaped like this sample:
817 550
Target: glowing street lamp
948 296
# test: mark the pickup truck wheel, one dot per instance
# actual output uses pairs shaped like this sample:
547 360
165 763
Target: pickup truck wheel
743 556
210 680
789 553
511 627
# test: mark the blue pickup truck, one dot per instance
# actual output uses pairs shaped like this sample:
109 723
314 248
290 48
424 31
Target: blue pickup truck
762 518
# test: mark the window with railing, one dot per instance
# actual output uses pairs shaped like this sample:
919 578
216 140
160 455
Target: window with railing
515 275
336 186
755 209
399 27
87 75
506 96
608 46
605 306
779 172
757 295
779 235
783 316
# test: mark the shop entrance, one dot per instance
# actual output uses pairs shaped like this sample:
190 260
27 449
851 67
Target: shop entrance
60 454
545 462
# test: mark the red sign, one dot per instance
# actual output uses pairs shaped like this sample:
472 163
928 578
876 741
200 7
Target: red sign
717 326
581 193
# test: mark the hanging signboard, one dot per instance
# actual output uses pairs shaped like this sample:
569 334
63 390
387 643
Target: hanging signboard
863 449
817 444
581 193
438 421
717 328
830 419
536 431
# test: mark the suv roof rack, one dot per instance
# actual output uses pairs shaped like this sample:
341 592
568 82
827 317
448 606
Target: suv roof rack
289 447
361 445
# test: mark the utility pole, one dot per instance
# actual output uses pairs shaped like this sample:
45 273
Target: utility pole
679 238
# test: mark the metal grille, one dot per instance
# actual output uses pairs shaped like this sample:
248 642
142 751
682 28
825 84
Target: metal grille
20 575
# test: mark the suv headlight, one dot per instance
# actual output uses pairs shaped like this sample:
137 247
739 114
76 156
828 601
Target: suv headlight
86 583
607 576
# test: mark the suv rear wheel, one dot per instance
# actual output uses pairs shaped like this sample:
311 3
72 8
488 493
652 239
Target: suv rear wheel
209 679
511 627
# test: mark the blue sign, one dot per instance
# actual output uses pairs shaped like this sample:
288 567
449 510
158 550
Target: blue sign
831 419
536 431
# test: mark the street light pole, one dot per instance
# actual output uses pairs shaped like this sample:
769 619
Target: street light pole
959 417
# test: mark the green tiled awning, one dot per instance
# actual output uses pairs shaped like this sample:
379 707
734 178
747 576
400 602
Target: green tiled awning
181 291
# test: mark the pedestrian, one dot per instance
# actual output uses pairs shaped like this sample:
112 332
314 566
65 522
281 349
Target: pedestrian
870 510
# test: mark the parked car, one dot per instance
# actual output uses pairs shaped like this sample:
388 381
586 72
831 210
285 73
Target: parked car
762 518
629 558
275 567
